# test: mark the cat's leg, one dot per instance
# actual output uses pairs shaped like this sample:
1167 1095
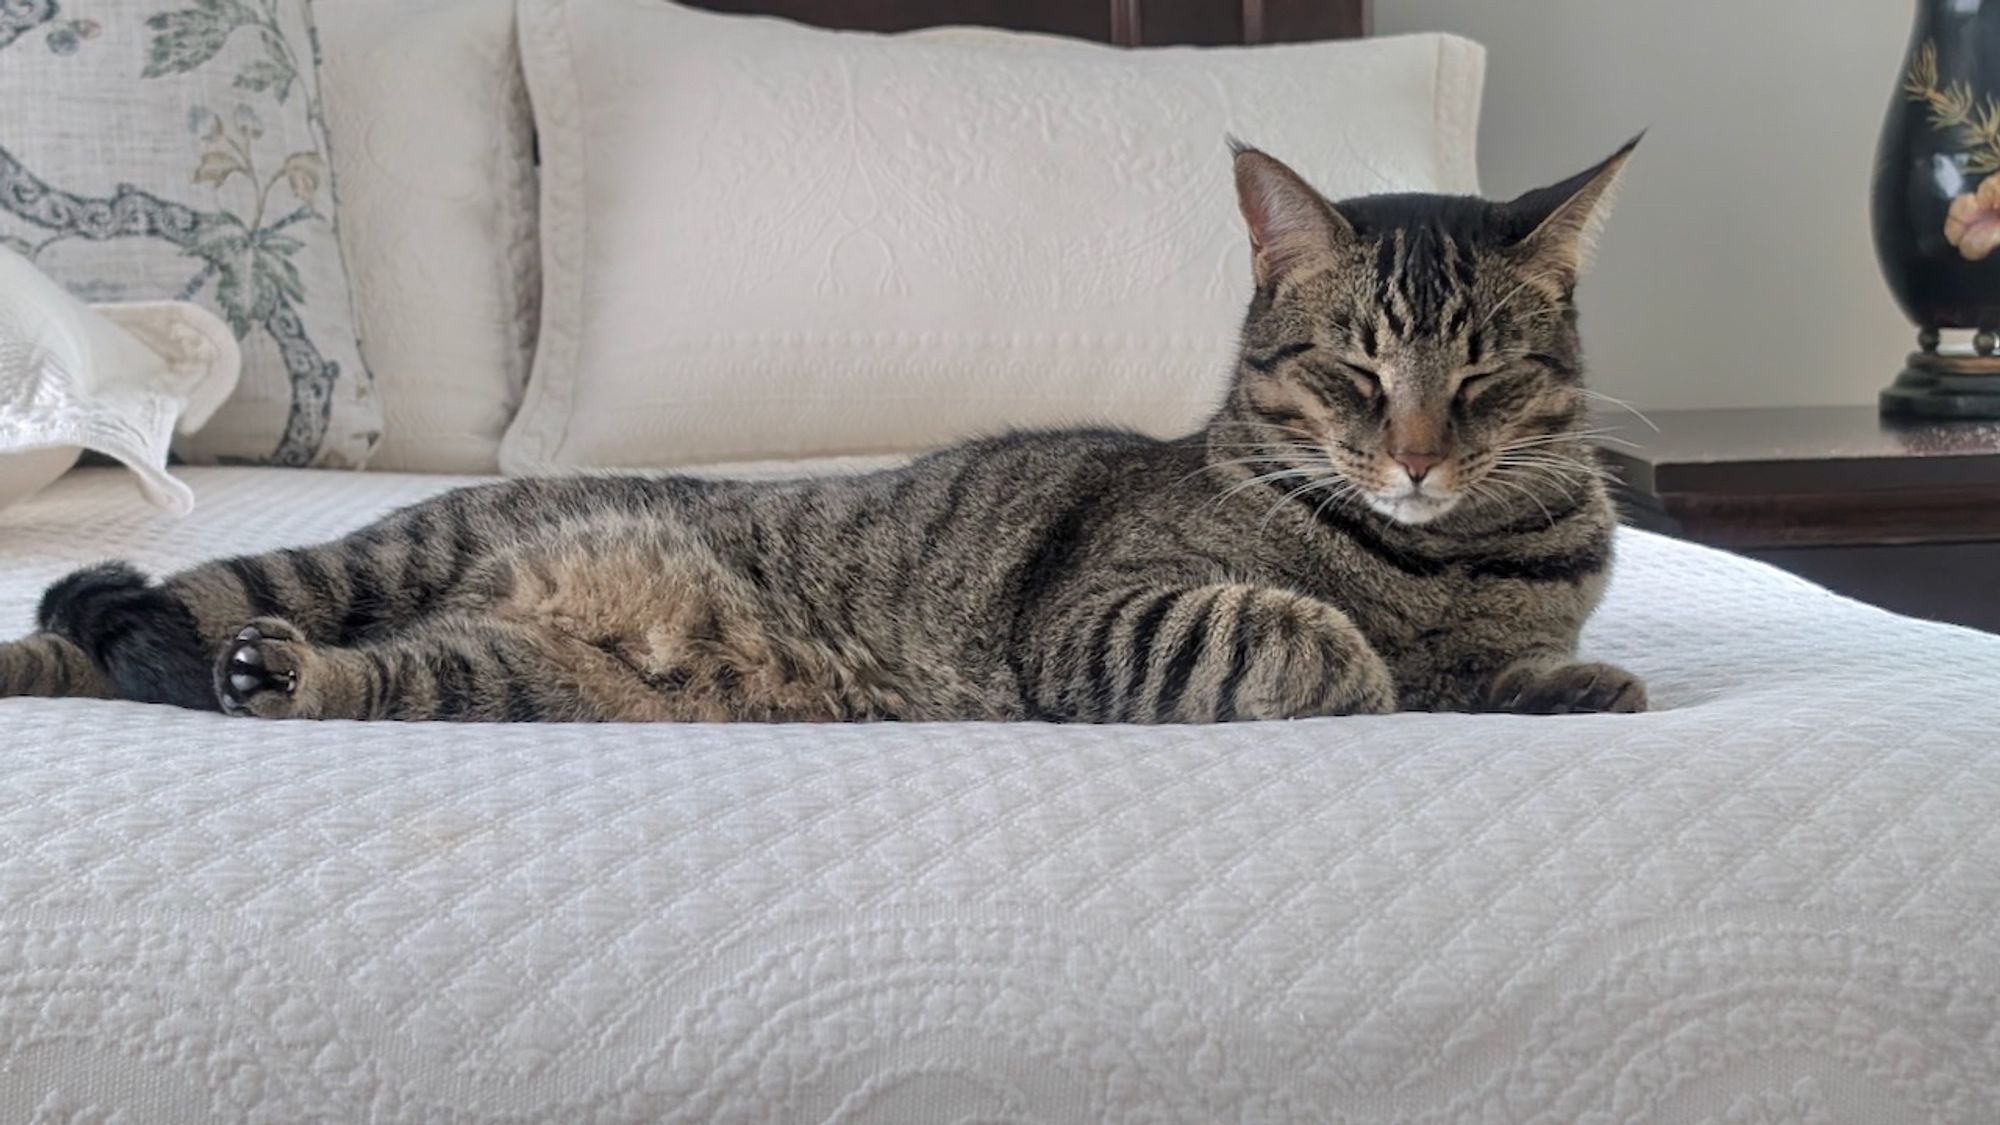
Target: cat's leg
156 642
450 667
49 666
1211 653
109 633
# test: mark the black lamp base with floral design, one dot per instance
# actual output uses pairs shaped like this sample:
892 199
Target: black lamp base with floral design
1936 209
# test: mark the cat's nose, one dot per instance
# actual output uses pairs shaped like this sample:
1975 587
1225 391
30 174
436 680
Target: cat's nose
1417 464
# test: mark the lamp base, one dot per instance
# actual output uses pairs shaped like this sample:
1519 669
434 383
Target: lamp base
1935 386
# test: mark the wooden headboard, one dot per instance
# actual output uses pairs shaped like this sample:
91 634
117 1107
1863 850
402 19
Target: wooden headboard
1128 23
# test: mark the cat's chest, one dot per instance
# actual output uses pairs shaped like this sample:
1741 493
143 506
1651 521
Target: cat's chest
1400 606
1541 581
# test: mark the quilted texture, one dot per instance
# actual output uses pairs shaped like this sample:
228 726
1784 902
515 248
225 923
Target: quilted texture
765 240
1776 901
433 146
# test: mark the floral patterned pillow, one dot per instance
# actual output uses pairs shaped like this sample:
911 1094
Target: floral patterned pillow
176 149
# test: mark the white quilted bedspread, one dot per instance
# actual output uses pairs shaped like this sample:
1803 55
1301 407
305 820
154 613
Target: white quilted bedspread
1775 900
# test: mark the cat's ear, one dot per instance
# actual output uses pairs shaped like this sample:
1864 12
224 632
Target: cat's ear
1566 218
1290 224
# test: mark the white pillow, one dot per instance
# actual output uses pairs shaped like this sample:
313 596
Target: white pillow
762 240
432 144
117 379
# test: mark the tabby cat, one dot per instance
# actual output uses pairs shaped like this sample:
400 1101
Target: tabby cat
1394 507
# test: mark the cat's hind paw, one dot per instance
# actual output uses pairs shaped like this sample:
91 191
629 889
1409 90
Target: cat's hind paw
259 672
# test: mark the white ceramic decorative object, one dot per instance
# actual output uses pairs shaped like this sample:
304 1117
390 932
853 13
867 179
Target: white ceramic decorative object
117 379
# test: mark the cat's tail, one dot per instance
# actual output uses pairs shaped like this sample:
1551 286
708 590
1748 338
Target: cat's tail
107 632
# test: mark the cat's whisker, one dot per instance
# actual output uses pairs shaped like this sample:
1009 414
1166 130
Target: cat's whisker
1348 490
1269 447
1497 478
1293 495
1543 476
1266 478
1543 449
1569 439
1615 440
1568 468
1540 315
1285 469
1548 477
1261 453
1622 404
1566 437
1247 461
1481 492
1248 423
1294 449
1549 451
1240 462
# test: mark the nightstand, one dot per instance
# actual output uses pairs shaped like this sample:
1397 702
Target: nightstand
1906 517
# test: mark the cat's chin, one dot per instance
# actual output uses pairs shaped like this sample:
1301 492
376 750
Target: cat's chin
1413 509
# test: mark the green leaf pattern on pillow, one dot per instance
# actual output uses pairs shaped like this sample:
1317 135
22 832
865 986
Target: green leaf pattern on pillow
18 17
240 244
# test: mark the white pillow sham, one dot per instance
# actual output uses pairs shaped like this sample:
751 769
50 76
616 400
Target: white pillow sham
117 379
762 240
433 147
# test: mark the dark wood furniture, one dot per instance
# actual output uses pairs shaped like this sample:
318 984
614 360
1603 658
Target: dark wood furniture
1127 23
1904 516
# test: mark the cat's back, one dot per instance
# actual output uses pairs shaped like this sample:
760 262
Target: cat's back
970 498
959 521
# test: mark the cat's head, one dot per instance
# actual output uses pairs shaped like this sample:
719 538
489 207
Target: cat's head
1417 353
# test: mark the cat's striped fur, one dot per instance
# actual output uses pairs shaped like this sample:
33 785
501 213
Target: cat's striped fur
1394 508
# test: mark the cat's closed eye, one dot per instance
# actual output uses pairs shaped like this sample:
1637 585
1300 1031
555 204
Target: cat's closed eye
1470 386
1365 379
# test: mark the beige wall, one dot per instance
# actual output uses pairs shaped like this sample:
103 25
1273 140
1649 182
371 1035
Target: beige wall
1738 268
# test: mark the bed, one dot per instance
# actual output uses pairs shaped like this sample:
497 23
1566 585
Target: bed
1774 899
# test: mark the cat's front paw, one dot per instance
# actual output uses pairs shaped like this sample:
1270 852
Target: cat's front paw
1369 689
258 673
1564 689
